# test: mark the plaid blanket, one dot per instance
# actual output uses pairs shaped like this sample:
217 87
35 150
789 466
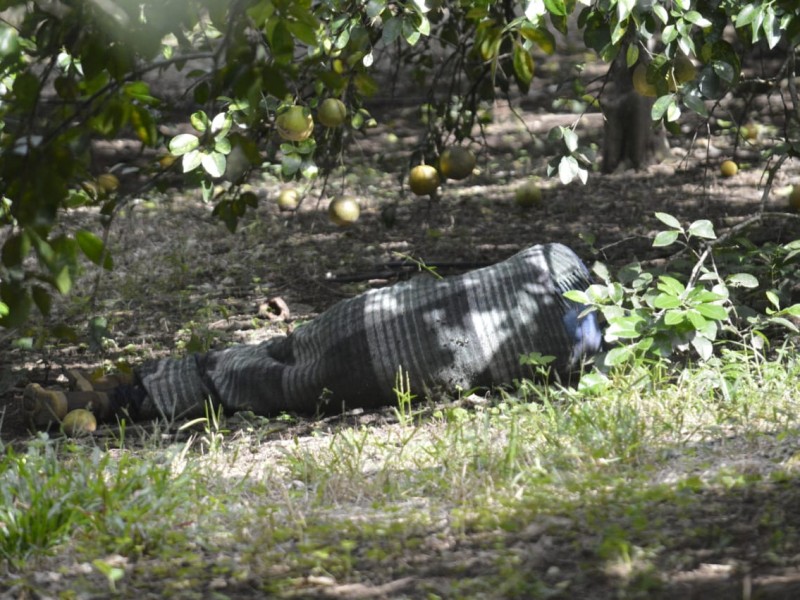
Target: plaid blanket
462 332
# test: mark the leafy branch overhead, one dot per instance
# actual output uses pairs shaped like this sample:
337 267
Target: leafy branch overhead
284 88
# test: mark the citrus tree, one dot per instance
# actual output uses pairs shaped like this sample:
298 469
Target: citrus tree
284 86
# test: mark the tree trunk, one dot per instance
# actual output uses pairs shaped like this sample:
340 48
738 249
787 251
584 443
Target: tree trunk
631 139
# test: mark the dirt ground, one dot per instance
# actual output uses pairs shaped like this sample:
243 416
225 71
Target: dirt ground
181 278
183 282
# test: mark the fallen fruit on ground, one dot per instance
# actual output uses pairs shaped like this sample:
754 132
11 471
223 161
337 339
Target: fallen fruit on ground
457 162
332 112
295 124
728 168
79 422
529 194
344 211
288 199
423 180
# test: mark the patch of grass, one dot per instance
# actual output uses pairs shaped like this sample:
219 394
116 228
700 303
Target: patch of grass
542 491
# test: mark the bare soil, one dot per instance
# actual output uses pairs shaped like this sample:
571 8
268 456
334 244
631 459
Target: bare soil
183 282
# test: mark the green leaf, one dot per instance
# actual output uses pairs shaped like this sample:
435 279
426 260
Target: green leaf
541 37
793 310
747 15
94 249
199 121
577 296
570 139
771 28
223 146
703 347
694 101
556 7
3 309
712 311
214 163
669 220
785 323
674 317
745 280
632 55
191 160
624 8
411 32
568 169
695 18
773 299
617 356
41 298
624 327
703 228
26 89
221 124
63 281
665 238
673 112
291 164
392 28
144 125
661 106
523 67
666 301
670 285
183 143
696 319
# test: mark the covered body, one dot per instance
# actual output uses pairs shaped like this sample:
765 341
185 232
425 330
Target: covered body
461 332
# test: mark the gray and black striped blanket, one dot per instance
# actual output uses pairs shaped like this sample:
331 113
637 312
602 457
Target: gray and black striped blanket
461 332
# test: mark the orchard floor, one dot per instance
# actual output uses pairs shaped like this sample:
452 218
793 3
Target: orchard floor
183 282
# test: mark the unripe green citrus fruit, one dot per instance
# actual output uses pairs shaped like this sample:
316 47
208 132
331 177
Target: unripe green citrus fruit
529 194
332 112
295 124
456 162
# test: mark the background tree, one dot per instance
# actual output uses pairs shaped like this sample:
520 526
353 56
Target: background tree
257 71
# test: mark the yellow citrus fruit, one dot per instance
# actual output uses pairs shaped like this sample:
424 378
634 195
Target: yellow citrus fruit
794 197
79 422
295 124
108 182
288 199
640 83
529 194
684 69
456 162
332 112
344 211
728 168
423 180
